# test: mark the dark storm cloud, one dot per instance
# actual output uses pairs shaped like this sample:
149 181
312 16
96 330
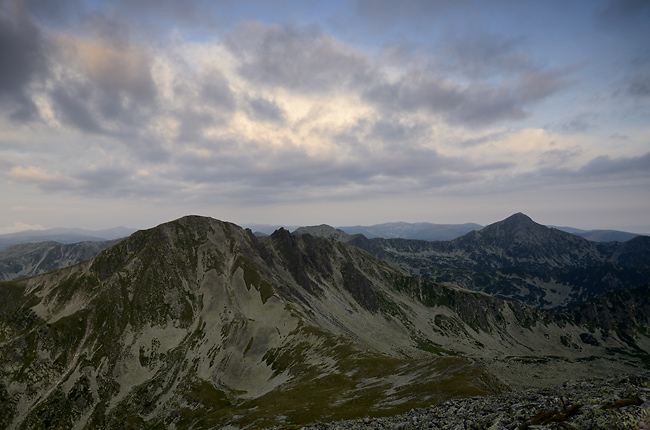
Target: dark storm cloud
23 52
297 58
262 109
475 104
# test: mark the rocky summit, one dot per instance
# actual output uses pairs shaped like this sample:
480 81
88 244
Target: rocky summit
198 323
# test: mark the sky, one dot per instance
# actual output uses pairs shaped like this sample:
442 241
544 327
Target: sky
358 112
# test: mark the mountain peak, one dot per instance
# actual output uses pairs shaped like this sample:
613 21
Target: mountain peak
519 218
520 232
516 225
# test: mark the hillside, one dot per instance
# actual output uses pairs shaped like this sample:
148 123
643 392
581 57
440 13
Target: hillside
28 259
199 323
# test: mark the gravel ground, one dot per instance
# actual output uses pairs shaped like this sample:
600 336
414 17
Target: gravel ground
613 403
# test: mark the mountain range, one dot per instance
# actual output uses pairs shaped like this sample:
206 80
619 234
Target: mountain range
198 323
516 259
440 232
63 235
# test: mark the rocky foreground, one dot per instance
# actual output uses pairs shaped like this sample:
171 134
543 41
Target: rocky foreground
614 403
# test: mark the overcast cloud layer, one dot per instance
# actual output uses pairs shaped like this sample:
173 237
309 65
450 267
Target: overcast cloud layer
354 112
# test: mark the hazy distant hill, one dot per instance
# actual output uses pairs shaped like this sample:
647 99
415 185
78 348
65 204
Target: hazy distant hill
63 235
421 230
600 235
197 323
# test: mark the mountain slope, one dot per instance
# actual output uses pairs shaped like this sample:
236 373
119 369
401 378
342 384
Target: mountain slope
521 260
199 323
28 259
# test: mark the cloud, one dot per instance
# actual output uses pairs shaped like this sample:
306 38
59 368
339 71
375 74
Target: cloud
115 68
482 55
23 50
474 104
215 91
395 12
579 124
296 58
20 226
103 88
57 12
250 112
556 158
606 167
41 178
72 107
639 85
482 140
264 110
624 15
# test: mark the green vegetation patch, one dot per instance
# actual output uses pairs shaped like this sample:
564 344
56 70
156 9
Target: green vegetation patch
331 380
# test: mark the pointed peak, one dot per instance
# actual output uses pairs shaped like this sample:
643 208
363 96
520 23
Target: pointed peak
518 222
519 216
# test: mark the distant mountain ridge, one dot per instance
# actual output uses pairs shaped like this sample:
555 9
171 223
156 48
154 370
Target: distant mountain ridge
605 235
521 260
420 231
443 232
63 235
197 323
